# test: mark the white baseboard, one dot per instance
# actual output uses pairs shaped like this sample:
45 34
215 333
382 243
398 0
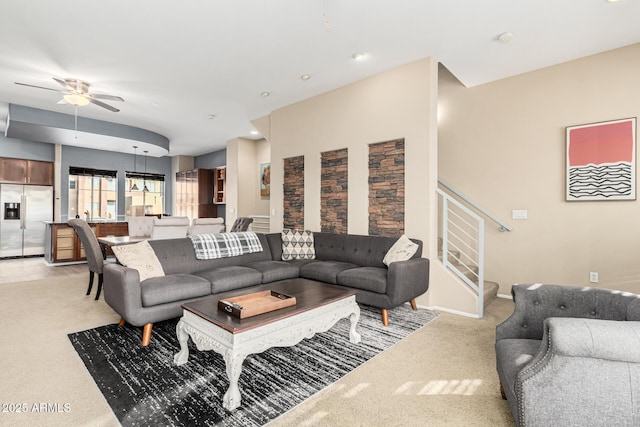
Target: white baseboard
505 296
448 310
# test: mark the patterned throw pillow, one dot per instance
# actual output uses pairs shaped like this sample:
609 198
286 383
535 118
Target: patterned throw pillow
297 244
141 257
402 250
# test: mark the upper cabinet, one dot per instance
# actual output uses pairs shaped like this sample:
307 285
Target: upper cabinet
219 185
21 171
13 171
40 173
194 194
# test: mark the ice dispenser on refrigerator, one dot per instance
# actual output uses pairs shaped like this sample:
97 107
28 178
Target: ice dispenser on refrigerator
12 211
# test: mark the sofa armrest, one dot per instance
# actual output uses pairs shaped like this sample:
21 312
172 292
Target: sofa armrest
122 292
587 369
407 280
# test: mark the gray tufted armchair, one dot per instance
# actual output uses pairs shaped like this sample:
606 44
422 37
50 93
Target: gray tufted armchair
570 356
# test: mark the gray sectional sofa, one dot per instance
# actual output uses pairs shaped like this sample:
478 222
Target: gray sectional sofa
353 261
570 356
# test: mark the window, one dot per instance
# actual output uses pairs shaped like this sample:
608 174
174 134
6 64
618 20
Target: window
93 194
144 194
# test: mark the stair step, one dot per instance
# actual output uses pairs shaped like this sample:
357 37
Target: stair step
490 292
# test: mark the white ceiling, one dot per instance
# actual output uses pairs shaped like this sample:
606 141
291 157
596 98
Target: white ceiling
177 62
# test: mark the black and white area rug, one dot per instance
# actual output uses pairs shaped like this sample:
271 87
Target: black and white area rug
145 388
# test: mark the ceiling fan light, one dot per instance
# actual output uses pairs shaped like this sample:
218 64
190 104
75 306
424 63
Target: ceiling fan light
75 99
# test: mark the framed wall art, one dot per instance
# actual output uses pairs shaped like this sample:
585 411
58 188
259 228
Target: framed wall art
601 161
265 179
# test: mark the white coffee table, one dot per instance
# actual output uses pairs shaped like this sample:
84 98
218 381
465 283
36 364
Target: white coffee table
318 308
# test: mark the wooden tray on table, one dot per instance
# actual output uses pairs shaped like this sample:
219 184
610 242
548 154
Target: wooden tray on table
256 303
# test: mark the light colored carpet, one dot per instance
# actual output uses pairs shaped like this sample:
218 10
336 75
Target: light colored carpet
442 375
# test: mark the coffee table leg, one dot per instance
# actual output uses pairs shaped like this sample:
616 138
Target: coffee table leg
233 361
354 336
182 356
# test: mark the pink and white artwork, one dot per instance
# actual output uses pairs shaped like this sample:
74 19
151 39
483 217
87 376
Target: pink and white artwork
601 161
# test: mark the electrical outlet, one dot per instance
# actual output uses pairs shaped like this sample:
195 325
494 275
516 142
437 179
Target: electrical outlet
593 277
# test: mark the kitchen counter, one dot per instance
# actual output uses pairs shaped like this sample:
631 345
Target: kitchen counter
62 244
90 222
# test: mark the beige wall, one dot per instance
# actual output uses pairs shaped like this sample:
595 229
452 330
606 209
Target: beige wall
244 157
400 103
503 144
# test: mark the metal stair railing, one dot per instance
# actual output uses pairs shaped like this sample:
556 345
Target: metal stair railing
502 226
463 245
463 239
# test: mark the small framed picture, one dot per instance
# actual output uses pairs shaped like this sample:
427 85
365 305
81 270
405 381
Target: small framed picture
265 179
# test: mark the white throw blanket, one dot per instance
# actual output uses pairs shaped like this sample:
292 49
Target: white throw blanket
221 245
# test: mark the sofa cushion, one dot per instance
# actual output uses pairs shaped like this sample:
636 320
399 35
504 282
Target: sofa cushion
373 279
178 256
171 288
297 244
139 256
275 270
224 279
511 356
324 271
402 250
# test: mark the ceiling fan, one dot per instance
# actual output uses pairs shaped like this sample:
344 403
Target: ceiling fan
76 92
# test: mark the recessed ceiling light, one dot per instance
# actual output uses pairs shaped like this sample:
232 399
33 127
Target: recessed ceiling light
611 1
265 94
505 37
358 56
154 104
254 132
305 77
211 116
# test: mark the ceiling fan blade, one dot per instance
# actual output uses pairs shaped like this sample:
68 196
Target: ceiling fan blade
103 105
39 87
104 96
63 83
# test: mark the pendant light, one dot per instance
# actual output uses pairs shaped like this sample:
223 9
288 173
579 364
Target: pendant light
145 189
135 152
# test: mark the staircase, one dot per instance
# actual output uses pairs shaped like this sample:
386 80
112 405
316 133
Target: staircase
490 289
461 247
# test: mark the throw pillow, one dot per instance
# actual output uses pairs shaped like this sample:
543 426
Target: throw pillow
297 244
402 250
141 257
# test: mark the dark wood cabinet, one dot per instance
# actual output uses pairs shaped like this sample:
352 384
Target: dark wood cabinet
220 185
40 173
13 171
21 171
194 194
66 245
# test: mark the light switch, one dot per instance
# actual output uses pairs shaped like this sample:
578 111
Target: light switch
519 214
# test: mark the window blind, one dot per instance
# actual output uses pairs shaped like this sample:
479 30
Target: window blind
74 170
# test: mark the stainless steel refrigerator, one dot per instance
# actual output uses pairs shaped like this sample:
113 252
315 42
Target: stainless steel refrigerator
23 208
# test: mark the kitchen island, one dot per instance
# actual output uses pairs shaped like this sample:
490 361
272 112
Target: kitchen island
63 246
